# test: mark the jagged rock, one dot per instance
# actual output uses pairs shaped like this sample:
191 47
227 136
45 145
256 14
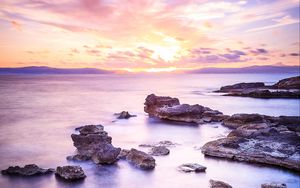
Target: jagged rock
141 159
191 167
93 142
27 170
159 151
170 109
273 185
288 83
70 172
261 139
123 154
124 115
219 184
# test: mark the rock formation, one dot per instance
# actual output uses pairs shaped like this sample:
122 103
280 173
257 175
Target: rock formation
70 173
191 167
27 170
141 159
94 143
170 109
219 184
124 115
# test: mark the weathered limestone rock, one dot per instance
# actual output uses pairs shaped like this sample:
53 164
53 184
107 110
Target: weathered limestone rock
191 167
27 170
159 151
260 139
170 109
141 159
219 184
94 143
70 173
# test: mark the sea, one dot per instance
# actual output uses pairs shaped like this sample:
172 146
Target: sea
38 114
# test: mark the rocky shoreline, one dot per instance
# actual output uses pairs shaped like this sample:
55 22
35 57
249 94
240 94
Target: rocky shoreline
285 88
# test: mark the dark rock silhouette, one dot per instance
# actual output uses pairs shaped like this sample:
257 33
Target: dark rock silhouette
27 170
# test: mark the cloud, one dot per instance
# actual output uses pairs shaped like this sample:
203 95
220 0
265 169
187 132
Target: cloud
259 51
294 54
16 25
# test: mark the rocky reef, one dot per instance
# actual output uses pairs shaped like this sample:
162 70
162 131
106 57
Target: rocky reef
27 170
94 143
169 108
286 88
259 139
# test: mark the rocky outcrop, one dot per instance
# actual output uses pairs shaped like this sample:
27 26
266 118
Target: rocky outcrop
273 185
219 184
259 90
141 159
170 109
27 170
260 139
94 143
191 167
124 115
159 151
70 173
288 83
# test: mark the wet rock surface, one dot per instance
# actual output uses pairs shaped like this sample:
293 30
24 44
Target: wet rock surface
124 115
159 151
165 143
191 167
281 89
94 143
219 184
27 170
141 159
170 109
70 173
260 139
273 185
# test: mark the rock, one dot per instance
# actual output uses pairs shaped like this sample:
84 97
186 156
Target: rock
159 151
170 109
27 170
260 139
273 185
241 86
141 159
191 167
70 172
124 115
288 83
78 157
94 143
219 184
123 154
259 90
165 143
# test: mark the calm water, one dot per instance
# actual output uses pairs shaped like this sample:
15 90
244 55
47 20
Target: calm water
38 113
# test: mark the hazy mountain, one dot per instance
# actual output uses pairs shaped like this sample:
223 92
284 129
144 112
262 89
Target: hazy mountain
50 70
252 69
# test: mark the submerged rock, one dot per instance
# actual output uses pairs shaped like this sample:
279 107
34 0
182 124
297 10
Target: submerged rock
27 170
170 109
124 115
94 143
78 157
191 167
70 172
273 185
260 139
159 151
219 184
123 154
165 143
141 159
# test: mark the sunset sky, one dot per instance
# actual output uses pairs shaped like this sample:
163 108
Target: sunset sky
148 35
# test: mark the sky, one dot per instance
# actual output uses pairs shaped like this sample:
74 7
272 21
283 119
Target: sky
148 35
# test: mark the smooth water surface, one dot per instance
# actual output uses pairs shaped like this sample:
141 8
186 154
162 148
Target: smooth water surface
38 113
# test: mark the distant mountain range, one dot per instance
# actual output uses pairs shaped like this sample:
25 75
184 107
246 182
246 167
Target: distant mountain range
50 70
252 69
